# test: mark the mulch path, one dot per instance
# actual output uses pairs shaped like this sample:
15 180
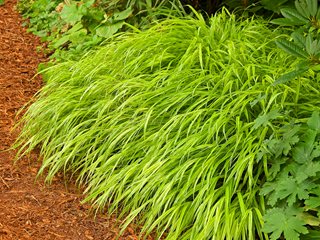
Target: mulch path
30 209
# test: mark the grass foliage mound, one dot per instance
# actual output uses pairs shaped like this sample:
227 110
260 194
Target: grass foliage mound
164 126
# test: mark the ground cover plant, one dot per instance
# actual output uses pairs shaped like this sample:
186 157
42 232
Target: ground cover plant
166 126
292 188
72 27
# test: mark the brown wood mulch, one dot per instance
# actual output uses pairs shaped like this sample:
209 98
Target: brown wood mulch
30 209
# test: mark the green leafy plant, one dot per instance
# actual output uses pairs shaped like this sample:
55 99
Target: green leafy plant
292 186
41 15
275 5
305 42
86 18
164 125
263 7
79 20
286 221
74 27
305 13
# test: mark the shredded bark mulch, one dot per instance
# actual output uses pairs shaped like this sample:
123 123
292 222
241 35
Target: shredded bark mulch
30 209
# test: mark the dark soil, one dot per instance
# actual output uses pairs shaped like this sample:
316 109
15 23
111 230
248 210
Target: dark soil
30 209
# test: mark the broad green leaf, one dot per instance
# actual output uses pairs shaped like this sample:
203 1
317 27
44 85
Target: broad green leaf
122 15
318 15
292 48
61 41
95 14
303 64
107 31
301 152
273 146
289 188
301 7
71 14
269 189
83 10
316 150
294 15
290 76
316 48
299 39
43 34
1 2
312 7
75 28
289 139
310 45
307 170
276 167
283 22
314 121
78 37
282 146
263 120
284 221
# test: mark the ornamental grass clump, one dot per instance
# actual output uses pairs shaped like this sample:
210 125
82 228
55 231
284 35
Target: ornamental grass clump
164 126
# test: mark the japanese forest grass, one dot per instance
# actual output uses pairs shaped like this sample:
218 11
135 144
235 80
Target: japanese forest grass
164 126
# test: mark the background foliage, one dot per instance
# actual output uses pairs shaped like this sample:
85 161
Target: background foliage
73 27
